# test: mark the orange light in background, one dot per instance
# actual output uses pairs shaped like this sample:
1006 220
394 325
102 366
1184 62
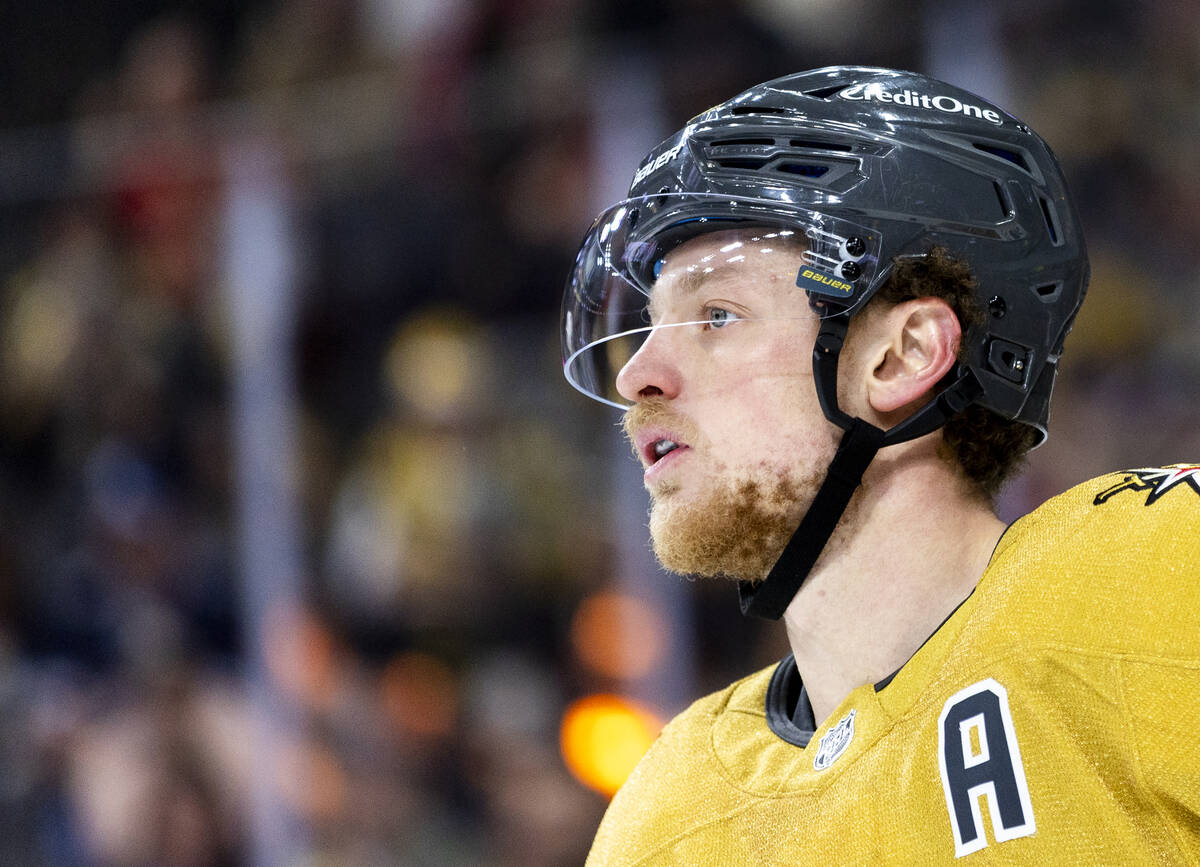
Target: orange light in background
301 655
618 635
419 695
603 737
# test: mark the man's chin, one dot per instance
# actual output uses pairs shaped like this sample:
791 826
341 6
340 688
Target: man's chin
663 491
737 534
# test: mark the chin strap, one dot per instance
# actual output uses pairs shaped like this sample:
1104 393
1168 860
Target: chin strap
860 443
770 597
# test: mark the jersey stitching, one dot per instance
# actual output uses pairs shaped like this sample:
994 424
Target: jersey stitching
1132 742
682 835
819 783
1118 655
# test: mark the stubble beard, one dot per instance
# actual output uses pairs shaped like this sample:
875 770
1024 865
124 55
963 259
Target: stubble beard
734 531
735 527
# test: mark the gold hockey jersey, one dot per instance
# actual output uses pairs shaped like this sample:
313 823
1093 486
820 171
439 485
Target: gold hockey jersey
1054 718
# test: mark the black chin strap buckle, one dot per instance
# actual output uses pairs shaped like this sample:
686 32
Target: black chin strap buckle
770 598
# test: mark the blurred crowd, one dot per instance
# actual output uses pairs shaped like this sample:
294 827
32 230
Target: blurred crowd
457 503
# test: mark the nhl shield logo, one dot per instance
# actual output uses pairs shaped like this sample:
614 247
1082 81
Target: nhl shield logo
834 742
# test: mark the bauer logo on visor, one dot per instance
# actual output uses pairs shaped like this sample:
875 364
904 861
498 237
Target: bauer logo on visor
823 283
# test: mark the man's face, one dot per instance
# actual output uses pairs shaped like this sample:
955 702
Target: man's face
725 418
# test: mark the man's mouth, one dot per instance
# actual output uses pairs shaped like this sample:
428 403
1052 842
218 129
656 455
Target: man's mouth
656 433
662 448
655 447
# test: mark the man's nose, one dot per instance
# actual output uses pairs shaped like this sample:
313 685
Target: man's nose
653 371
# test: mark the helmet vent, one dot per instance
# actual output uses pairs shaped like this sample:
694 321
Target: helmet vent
808 170
752 163
727 142
820 145
757 109
1049 292
1051 217
1017 157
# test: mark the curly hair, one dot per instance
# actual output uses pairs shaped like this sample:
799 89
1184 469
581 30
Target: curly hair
988 448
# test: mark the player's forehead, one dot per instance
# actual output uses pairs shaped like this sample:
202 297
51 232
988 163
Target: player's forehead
748 264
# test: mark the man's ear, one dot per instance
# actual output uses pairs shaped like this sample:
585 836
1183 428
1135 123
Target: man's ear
916 345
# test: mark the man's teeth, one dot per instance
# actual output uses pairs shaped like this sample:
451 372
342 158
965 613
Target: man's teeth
662 447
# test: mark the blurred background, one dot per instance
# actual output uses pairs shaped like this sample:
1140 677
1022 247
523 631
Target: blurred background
308 555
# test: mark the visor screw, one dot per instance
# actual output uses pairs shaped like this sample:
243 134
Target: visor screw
851 271
855 246
997 307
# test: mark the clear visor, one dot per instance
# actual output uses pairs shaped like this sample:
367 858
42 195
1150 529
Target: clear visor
701 261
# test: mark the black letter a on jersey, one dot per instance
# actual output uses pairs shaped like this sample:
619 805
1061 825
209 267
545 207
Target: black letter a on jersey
978 753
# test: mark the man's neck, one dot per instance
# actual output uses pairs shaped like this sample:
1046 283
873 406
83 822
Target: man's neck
914 547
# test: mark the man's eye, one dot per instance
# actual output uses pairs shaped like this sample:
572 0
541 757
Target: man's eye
719 317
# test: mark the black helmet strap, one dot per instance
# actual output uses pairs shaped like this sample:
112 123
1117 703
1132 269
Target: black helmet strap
860 443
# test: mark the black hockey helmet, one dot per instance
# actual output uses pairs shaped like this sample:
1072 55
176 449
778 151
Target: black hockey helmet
867 166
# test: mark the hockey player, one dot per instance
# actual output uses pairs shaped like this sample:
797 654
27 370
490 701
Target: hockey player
832 309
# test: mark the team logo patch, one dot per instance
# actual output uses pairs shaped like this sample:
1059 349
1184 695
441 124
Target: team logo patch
834 742
1156 480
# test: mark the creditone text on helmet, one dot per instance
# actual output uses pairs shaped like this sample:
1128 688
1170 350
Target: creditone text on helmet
947 104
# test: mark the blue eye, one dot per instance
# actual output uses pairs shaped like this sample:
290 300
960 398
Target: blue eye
719 317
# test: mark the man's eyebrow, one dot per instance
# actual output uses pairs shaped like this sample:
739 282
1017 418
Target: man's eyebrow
690 281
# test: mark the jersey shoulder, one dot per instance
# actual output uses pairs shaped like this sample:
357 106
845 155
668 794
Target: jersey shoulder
1112 563
679 781
1142 519
1146 495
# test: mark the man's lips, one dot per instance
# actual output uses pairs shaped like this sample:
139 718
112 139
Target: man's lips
656 445
660 436
663 464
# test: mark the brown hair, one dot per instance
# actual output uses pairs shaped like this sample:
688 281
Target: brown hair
987 447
